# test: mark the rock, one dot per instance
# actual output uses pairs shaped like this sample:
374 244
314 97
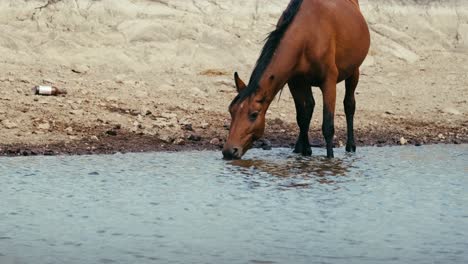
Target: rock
388 112
167 138
204 125
8 124
215 141
266 144
163 123
111 99
141 94
403 141
111 132
441 136
94 138
451 111
119 79
77 112
168 115
226 82
179 141
197 91
227 124
187 127
44 126
69 130
166 87
80 69
145 111
340 144
194 137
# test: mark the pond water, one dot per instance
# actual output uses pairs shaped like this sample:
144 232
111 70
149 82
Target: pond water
381 205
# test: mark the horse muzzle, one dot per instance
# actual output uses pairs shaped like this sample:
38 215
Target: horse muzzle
232 153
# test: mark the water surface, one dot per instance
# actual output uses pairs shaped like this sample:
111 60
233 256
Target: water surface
381 205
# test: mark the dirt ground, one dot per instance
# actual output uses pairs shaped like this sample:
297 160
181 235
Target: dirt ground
157 75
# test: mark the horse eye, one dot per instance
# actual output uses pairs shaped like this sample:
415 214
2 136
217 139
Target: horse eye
253 116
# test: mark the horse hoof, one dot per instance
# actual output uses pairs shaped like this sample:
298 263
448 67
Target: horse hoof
350 148
304 151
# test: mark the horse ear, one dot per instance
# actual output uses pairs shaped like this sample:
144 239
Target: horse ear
240 85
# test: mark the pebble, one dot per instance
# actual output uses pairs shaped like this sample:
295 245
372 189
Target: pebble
441 136
8 124
169 115
69 130
166 87
187 127
167 138
44 126
94 138
141 94
111 132
179 141
204 125
226 82
451 111
194 137
80 69
403 141
215 141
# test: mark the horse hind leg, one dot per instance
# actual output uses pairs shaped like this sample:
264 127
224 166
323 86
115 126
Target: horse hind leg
305 103
350 107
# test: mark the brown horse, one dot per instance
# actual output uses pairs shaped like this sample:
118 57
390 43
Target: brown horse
316 43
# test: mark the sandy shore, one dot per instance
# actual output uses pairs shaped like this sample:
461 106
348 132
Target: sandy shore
157 75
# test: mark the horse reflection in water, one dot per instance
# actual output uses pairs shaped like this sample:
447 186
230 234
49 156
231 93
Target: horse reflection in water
299 172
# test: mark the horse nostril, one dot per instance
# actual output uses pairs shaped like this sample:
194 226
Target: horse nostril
235 151
231 153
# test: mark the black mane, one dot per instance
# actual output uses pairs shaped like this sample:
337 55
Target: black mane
272 42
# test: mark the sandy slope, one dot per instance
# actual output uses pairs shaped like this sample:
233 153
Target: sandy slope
154 67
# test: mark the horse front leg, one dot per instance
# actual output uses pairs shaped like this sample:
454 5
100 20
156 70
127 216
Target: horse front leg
328 88
305 103
350 107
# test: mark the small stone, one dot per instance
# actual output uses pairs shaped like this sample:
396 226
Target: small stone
187 127
441 136
403 141
194 137
77 112
8 124
451 111
141 94
388 112
44 126
69 130
80 68
169 115
204 125
340 144
226 82
94 138
167 138
227 125
179 141
166 87
215 141
48 81
111 132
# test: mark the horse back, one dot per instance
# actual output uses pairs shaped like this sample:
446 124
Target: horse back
333 33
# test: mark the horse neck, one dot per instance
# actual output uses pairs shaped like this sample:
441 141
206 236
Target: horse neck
279 71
